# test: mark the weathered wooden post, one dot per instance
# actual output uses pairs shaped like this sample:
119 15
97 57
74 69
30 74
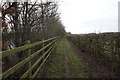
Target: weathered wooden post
28 53
43 49
43 45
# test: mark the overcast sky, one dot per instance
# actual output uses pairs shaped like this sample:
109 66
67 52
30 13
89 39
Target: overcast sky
88 16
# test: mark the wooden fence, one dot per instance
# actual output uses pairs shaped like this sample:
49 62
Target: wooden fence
27 60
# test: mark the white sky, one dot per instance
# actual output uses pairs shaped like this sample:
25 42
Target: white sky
88 16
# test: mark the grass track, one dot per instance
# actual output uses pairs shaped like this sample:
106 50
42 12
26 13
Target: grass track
64 63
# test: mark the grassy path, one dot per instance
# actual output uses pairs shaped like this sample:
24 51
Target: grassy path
64 63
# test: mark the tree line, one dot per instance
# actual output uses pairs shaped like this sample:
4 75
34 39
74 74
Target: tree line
30 21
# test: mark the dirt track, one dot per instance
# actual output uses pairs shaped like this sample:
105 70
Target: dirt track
95 70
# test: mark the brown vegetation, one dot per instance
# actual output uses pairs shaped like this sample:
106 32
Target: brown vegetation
104 47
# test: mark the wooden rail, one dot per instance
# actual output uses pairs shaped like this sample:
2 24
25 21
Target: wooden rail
27 60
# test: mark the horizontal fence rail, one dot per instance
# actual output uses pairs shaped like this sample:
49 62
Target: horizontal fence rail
27 60
18 49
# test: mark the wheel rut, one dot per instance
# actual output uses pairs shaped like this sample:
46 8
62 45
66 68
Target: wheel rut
66 67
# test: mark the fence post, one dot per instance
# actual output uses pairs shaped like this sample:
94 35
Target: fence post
43 45
43 49
28 53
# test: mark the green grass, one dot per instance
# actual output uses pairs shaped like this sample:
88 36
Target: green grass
76 66
56 69
56 65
